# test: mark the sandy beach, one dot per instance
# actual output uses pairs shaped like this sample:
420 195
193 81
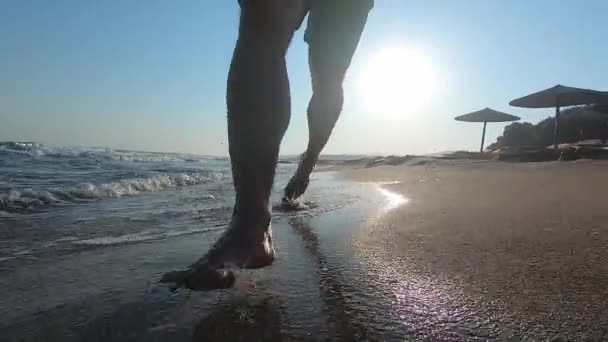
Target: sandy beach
524 243
445 251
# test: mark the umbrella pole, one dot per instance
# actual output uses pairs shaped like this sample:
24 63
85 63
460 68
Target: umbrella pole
483 136
556 128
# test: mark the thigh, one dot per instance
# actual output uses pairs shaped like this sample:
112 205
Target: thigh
333 32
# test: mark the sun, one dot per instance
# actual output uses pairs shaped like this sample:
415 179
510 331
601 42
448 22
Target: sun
396 81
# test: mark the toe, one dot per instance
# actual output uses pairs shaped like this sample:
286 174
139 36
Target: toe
175 277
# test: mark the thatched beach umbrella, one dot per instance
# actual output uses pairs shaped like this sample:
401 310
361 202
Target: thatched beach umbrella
559 96
486 115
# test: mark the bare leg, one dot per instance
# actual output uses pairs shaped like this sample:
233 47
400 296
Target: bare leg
323 112
333 33
258 102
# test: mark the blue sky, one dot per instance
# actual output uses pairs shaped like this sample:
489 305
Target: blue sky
151 74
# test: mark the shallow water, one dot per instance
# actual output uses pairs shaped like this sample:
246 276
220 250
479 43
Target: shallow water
62 200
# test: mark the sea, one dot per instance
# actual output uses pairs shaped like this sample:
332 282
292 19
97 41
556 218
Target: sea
58 200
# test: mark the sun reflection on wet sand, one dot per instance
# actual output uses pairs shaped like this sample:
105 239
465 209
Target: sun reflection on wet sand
411 304
409 301
393 199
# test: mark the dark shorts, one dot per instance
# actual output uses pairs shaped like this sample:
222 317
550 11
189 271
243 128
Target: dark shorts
333 29
332 19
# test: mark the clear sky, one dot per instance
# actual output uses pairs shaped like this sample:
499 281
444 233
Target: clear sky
151 74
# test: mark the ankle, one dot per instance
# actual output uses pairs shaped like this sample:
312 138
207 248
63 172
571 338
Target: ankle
252 215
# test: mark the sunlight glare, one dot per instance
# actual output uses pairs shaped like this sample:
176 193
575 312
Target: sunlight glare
397 80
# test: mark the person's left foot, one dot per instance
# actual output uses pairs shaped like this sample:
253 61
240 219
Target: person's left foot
199 279
244 244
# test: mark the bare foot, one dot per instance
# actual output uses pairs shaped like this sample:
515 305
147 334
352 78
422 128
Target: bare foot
295 188
241 246
288 205
199 279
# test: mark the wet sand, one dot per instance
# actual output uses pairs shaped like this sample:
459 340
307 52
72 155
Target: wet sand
524 244
456 251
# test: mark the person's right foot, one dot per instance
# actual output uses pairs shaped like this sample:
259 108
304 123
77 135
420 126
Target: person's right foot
241 246
295 188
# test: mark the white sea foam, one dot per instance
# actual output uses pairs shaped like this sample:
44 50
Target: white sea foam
4 214
30 198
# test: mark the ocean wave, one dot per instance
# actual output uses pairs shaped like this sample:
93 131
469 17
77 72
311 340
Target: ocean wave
28 199
34 149
30 148
13 253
